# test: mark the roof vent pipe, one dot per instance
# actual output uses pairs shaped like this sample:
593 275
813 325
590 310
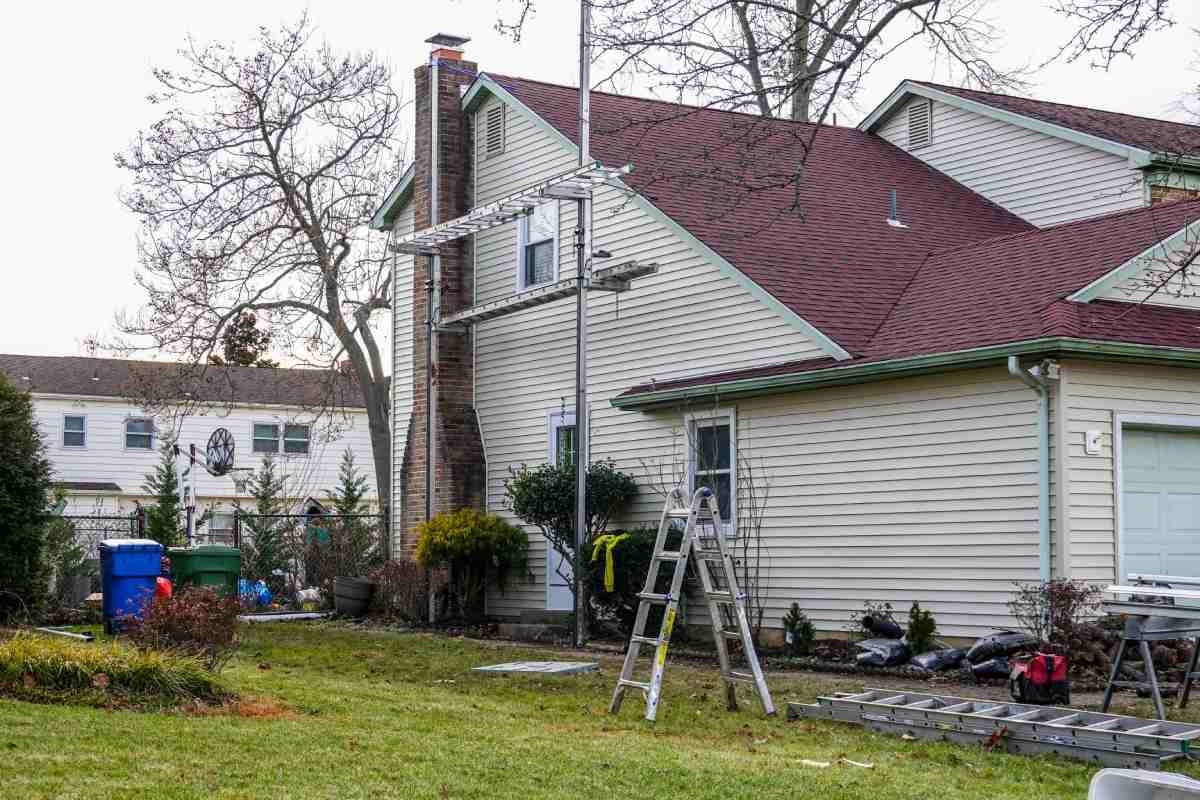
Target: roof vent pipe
1037 382
894 213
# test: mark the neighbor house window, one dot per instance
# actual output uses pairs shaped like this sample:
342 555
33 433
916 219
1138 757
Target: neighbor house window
220 528
74 431
266 438
295 440
712 461
139 434
539 246
562 439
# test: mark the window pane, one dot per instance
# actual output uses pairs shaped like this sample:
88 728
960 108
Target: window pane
712 446
266 438
72 439
564 444
539 263
74 424
719 484
542 224
73 431
139 434
266 446
295 439
262 431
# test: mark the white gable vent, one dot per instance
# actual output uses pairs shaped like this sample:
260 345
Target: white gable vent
920 123
493 135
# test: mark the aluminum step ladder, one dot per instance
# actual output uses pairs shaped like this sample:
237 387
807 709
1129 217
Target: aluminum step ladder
1109 739
703 539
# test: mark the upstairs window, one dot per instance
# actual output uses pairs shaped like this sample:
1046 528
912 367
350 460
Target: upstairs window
562 439
74 431
920 123
493 131
295 440
538 247
139 434
266 438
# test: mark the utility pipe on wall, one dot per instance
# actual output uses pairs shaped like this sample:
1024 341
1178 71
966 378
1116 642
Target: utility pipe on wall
433 301
583 251
1038 384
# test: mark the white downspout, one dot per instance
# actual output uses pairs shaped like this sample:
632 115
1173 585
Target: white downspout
1038 384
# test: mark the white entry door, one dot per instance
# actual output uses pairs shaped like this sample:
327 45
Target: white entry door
1160 502
560 450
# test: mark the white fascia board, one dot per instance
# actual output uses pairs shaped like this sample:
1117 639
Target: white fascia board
826 343
1137 156
379 220
1176 242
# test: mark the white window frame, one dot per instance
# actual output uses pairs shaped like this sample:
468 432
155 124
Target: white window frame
224 514
278 426
1154 422
283 439
717 416
522 241
125 434
63 441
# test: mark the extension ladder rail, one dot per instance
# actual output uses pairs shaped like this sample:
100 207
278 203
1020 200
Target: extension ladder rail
1112 739
703 539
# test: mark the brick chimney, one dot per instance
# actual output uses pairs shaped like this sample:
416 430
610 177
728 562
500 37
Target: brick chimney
458 447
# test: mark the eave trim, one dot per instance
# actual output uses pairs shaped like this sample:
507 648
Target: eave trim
904 367
1159 250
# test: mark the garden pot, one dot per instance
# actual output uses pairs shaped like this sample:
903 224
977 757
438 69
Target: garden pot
352 596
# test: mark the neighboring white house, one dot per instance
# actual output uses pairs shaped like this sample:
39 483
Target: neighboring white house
853 347
102 442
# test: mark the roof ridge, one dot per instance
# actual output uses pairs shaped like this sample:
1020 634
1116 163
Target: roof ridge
145 362
659 101
1058 103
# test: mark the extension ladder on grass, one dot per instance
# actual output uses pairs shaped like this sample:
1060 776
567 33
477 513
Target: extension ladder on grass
704 539
1109 739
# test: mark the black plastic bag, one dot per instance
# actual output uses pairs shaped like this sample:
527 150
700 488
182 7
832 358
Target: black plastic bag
1000 643
882 627
937 660
998 667
881 652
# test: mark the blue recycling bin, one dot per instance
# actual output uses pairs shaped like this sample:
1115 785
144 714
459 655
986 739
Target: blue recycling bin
128 571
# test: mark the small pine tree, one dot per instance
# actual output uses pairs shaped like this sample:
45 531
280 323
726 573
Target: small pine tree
162 518
347 498
25 492
265 548
922 628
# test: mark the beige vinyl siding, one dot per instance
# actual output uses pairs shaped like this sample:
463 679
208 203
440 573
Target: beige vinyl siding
916 489
1097 391
1041 178
402 357
688 319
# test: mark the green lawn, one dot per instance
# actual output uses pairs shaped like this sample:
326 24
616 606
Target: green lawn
400 715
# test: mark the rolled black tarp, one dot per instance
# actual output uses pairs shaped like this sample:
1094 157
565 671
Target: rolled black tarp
881 652
937 660
882 627
1000 643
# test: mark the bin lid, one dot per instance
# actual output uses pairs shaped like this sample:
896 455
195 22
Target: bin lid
130 544
205 550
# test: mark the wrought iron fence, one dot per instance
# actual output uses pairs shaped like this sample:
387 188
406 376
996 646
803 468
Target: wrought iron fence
91 529
292 552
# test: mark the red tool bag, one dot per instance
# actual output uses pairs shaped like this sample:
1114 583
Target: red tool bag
1041 680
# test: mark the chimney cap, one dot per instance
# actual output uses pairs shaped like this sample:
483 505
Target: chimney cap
448 40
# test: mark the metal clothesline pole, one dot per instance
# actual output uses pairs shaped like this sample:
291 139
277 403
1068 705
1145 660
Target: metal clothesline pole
583 251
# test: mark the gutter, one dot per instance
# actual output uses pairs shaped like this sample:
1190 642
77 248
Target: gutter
991 355
1036 381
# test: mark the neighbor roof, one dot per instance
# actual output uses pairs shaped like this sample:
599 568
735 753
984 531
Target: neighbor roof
1155 135
157 381
820 245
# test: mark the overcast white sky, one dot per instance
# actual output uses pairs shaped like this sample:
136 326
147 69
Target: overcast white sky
76 75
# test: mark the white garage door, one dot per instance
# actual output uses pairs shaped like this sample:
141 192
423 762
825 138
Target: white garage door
1160 502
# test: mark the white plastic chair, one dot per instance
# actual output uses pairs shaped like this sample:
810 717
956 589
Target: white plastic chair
1140 784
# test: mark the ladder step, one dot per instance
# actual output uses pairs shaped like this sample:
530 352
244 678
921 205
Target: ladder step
645 687
720 597
744 677
669 555
708 555
736 635
654 597
650 640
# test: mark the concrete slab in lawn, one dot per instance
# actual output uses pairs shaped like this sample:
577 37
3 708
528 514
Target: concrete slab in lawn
540 668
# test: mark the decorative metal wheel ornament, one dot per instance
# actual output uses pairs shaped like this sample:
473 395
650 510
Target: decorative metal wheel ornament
218 454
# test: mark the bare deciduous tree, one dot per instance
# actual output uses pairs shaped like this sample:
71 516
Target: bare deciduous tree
1108 29
253 189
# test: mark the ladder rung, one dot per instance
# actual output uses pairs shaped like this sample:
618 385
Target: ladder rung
654 597
735 635
708 555
650 640
720 597
669 555
740 676
645 687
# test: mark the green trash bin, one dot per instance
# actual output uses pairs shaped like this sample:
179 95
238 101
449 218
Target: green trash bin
212 565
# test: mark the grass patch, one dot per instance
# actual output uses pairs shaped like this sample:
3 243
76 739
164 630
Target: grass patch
50 669
357 714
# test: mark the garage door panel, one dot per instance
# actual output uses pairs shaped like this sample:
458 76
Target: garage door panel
1160 502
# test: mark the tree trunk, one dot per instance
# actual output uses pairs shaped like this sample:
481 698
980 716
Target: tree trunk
800 84
375 395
